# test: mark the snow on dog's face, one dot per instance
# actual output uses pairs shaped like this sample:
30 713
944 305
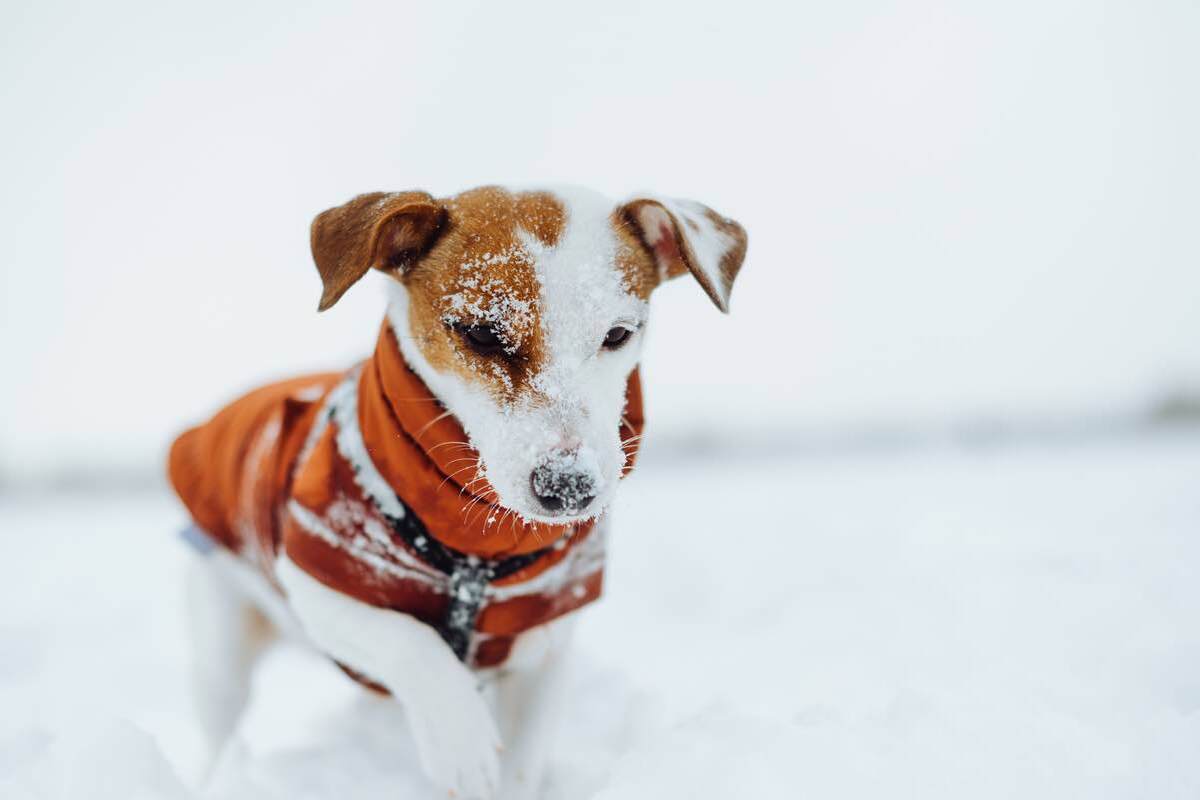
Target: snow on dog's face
524 313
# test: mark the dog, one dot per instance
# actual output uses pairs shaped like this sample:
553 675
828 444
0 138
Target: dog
430 518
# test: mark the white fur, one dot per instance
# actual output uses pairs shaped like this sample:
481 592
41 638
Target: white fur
229 606
456 738
579 396
527 697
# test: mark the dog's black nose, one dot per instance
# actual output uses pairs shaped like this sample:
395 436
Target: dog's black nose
560 486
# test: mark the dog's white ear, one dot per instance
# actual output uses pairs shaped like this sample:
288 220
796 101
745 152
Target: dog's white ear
685 236
384 230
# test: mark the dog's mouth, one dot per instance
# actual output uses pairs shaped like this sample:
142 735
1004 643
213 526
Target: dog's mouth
568 516
570 512
548 496
574 506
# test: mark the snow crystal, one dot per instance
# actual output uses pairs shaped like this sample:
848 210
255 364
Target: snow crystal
487 298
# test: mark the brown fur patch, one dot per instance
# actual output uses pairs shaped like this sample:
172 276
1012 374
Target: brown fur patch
636 264
541 214
478 272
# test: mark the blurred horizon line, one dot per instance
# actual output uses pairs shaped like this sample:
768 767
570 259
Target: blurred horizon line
1174 414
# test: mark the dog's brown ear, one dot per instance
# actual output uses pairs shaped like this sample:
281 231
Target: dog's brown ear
385 230
684 236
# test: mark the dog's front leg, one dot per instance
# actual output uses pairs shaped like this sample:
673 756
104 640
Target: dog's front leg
456 737
528 696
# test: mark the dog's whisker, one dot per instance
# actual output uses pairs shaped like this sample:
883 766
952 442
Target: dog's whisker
449 444
481 509
452 474
489 519
431 423
479 475
472 500
469 505
471 465
469 488
514 527
466 485
485 507
474 459
503 518
489 508
498 520
466 511
512 518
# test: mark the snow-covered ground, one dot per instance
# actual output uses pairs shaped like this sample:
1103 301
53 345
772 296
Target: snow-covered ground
1011 622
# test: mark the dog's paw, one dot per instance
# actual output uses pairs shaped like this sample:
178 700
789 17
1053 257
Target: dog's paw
457 740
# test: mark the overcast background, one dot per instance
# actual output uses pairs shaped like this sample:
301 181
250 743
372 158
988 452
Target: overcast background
957 211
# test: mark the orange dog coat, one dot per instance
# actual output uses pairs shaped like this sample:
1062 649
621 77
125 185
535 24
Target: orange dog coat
355 477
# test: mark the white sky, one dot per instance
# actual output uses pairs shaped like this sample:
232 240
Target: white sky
953 208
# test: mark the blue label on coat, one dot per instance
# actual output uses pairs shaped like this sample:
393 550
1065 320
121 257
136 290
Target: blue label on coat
200 541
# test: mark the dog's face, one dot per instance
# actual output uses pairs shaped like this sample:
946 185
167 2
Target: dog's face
524 313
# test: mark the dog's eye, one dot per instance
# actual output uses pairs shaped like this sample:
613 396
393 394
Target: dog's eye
482 338
616 337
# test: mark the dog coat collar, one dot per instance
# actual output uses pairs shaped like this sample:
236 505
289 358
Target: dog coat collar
468 575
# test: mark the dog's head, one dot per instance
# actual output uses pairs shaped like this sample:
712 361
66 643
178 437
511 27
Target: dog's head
524 313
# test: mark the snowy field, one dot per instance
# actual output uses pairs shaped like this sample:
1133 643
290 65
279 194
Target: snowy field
1010 622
